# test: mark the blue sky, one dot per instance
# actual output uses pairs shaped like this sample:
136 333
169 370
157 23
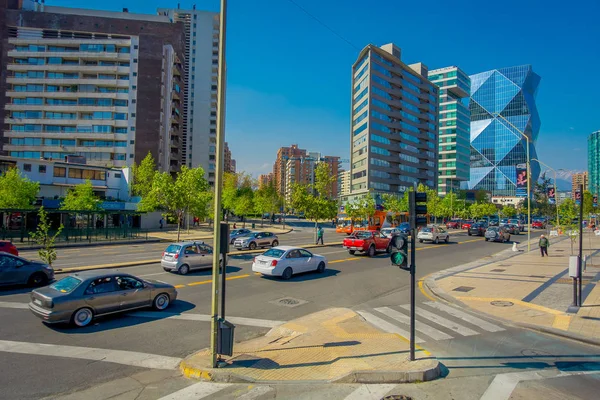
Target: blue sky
289 76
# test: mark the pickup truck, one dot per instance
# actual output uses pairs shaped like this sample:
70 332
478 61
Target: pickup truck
369 242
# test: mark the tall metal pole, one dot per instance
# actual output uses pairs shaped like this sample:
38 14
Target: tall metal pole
528 197
218 183
413 247
580 261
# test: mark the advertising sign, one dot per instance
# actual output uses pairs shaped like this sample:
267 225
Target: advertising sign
551 195
578 197
521 180
595 200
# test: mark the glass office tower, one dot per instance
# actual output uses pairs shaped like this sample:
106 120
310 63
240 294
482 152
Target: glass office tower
502 105
594 162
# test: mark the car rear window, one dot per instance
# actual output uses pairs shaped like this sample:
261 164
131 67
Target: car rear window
426 230
275 253
66 284
173 248
362 235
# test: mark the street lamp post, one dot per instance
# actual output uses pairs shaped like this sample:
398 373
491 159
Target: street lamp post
528 180
555 189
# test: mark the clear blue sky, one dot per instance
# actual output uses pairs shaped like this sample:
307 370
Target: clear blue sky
289 76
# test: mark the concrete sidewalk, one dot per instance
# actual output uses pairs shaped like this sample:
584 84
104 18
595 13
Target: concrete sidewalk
530 290
334 345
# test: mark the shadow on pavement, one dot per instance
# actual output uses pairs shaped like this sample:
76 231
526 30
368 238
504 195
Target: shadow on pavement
305 276
117 321
14 289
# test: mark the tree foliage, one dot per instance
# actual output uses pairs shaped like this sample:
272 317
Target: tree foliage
143 176
81 198
43 237
508 211
17 191
266 200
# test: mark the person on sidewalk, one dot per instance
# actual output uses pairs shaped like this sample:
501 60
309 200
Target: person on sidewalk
544 244
161 222
319 235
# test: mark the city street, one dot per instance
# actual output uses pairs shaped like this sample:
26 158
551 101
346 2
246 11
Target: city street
465 344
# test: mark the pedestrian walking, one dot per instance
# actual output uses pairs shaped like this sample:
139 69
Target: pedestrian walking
319 235
544 244
161 222
234 226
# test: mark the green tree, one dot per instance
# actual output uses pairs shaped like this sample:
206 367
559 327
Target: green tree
244 199
569 211
508 211
81 198
266 200
476 210
324 181
143 176
45 239
187 192
17 191
229 192
588 204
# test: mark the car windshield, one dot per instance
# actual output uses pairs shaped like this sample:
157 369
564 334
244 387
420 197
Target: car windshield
362 235
513 221
173 248
492 229
66 284
275 253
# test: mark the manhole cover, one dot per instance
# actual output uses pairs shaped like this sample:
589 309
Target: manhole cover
499 303
463 289
498 270
288 302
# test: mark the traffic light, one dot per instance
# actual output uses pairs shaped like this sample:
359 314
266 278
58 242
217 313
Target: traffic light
417 210
399 251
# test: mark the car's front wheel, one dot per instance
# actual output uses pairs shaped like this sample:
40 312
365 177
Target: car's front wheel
252 246
82 317
184 269
436 240
275 243
447 239
161 302
321 267
371 251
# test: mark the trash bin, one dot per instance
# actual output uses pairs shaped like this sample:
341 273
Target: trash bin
225 338
253 225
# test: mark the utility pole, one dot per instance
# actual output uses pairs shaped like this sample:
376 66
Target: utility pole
580 261
214 323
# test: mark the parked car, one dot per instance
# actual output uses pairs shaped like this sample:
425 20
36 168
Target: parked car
256 239
236 233
453 224
79 298
15 270
497 234
390 231
8 247
538 224
512 229
184 257
477 229
517 222
466 224
285 261
503 222
494 222
369 242
434 234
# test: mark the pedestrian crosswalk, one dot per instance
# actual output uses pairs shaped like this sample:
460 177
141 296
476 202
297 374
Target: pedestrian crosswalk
439 325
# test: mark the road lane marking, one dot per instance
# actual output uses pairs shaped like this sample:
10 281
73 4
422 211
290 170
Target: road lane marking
197 391
132 358
8 304
370 392
256 392
210 281
156 273
465 317
263 323
419 326
386 326
179 286
461 330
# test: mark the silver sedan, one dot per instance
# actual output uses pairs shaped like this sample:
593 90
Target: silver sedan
79 298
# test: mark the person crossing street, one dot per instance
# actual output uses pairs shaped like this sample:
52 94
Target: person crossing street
319 235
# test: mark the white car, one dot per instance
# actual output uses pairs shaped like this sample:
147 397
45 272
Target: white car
433 234
285 261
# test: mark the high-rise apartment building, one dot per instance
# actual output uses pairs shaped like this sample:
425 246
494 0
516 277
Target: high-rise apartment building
201 71
394 124
454 127
344 183
228 162
279 168
578 179
594 162
503 110
104 85
265 179
301 170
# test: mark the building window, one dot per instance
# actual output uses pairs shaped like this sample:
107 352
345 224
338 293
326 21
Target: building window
135 60
60 172
135 74
131 156
42 169
135 46
27 167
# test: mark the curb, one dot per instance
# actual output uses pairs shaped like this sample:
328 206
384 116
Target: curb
94 244
156 261
365 377
431 285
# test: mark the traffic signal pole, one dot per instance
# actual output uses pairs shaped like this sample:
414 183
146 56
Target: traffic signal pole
413 247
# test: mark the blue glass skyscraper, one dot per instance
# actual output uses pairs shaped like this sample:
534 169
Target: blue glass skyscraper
502 104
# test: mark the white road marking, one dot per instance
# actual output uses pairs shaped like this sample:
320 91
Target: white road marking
197 391
264 323
369 392
386 326
255 393
465 317
132 358
419 326
503 385
461 330
157 273
7 304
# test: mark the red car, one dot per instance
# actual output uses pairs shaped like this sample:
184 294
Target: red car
538 224
466 224
369 242
8 247
454 224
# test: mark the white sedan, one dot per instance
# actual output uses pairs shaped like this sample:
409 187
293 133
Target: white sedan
285 261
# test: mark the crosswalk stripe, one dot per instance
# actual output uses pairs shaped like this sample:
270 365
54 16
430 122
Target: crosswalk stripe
197 391
465 317
9 304
419 326
386 326
255 393
461 330
264 323
369 392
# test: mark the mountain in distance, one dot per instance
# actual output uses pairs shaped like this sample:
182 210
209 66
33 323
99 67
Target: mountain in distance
563 178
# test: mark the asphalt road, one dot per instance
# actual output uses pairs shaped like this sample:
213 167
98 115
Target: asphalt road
368 285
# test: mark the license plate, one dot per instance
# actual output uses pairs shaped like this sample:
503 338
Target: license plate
168 258
262 262
38 302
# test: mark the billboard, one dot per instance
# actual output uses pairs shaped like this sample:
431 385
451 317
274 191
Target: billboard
578 197
551 195
521 180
